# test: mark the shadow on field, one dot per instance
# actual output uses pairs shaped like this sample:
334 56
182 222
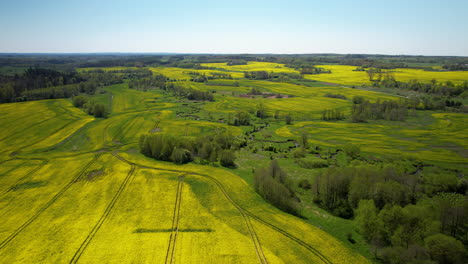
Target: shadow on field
189 230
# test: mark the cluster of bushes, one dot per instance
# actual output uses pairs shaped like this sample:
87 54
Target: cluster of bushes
431 231
314 70
180 150
272 76
385 185
311 164
189 93
201 77
234 84
90 106
272 184
157 81
362 110
337 96
332 114
241 118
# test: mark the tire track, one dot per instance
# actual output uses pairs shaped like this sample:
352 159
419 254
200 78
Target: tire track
12 169
251 230
104 216
49 203
27 128
42 139
175 223
31 172
240 208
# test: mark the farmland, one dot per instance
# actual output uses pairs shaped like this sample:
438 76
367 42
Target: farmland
79 188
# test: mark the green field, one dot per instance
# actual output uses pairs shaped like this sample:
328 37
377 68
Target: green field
74 188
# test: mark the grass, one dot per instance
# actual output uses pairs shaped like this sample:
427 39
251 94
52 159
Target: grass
434 142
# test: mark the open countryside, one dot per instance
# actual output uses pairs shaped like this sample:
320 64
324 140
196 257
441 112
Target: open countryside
213 132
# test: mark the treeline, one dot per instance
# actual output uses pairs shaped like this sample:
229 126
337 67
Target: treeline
12 88
90 106
209 148
38 84
273 76
157 81
399 210
201 77
332 115
456 67
272 184
194 60
126 73
363 110
448 88
65 91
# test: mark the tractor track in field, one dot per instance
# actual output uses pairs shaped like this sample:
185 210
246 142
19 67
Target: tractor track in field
42 139
246 214
12 169
31 172
24 117
251 230
27 128
76 257
65 140
175 223
49 203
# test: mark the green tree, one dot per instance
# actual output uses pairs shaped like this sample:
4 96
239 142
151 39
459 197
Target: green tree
445 249
366 219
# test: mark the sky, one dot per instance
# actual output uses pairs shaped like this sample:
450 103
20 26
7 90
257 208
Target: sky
396 27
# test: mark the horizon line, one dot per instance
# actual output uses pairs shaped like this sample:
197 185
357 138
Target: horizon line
206 53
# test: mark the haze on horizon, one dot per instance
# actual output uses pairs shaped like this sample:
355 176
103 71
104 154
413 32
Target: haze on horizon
415 27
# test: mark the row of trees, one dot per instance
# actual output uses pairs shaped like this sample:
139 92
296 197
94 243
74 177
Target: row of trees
332 115
313 70
201 77
180 150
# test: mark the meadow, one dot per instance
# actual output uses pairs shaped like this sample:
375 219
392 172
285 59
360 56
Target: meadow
75 188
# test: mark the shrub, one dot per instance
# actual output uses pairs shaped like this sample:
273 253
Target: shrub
305 184
312 164
227 159
79 101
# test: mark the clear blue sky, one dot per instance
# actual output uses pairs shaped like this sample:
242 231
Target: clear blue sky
426 27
